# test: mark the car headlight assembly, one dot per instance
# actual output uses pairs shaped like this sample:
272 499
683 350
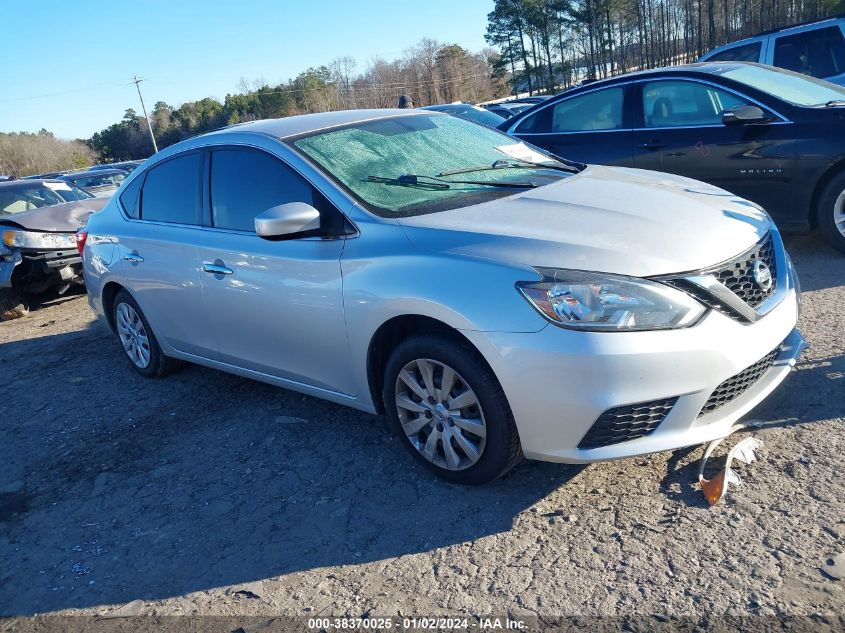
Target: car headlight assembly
34 239
600 302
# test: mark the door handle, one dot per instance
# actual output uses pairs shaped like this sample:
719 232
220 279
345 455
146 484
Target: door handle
216 269
133 258
652 144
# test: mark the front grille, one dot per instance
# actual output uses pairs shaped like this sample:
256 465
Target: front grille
627 423
736 385
738 274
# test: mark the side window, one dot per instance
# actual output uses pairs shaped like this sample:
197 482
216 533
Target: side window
685 103
244 183
818 53
130 196
171 191
599 110
743 53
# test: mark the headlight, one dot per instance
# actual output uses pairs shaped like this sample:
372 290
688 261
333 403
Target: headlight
33 239
609 303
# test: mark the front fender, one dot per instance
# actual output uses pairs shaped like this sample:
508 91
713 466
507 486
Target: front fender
7 266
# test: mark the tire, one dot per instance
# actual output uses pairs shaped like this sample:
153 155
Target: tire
12 305
831 212
481 457
137 338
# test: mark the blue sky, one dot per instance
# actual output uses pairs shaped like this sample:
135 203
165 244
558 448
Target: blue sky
66 65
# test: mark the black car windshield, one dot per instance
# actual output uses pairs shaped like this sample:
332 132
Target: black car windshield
16 198
368 159
795 88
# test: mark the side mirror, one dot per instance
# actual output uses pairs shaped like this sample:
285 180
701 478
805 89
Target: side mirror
287 219
743 115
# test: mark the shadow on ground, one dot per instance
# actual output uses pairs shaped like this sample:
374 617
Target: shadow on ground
207 480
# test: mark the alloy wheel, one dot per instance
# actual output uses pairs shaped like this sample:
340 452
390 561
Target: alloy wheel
133 335
839 214
440 414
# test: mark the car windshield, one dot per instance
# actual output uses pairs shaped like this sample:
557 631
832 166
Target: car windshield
18 199
792 87
368 159
97 180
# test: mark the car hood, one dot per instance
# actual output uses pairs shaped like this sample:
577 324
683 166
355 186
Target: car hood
63 218
607 219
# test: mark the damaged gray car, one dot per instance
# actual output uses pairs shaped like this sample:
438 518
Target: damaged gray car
38 254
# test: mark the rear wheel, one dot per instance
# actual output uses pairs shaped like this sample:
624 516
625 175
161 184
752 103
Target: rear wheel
139 342
449 410
12 305
831 212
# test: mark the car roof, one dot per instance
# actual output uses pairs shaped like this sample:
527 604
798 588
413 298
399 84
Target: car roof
306 123
28 183
95 172
708 68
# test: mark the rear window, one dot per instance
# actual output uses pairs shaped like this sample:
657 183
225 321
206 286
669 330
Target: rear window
818 53
599 110
171 191
743 53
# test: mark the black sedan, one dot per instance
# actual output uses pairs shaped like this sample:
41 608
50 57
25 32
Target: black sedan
772 136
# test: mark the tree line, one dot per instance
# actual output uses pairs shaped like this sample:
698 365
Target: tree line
24 153
548 45
430 72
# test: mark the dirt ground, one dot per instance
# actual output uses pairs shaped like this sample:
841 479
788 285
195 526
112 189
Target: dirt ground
206 493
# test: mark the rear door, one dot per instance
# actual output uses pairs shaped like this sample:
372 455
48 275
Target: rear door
160 256
589 127
277 306
681 132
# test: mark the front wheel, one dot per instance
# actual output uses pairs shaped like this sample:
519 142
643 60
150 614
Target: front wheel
449 411
831 212
12 305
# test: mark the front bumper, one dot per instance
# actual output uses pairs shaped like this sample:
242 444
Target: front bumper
559 382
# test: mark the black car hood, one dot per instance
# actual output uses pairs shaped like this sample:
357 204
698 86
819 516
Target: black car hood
62 218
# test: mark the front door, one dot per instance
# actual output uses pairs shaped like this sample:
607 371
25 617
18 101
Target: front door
277 306
682 133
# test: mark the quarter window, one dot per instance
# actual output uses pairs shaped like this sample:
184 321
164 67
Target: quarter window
743 53
245 183
171 191
130 196
599 110
685 103
818 53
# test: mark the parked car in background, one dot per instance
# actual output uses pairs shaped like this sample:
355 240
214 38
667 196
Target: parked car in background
38 223
26 194
100 183
815 48
507 109
771 136
469 112
529 100
492 300
127 165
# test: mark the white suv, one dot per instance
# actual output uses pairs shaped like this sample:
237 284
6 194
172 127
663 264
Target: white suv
816 49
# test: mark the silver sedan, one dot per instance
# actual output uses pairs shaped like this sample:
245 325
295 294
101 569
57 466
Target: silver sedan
492 300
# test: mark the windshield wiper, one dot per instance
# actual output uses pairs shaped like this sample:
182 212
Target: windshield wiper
836 103
434 182
503 163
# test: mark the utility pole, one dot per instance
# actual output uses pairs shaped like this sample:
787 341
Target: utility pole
136 80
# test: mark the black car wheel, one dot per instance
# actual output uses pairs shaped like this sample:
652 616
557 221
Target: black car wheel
12 305
831 212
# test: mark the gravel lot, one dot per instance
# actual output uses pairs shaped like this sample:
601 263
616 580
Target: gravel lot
205 493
